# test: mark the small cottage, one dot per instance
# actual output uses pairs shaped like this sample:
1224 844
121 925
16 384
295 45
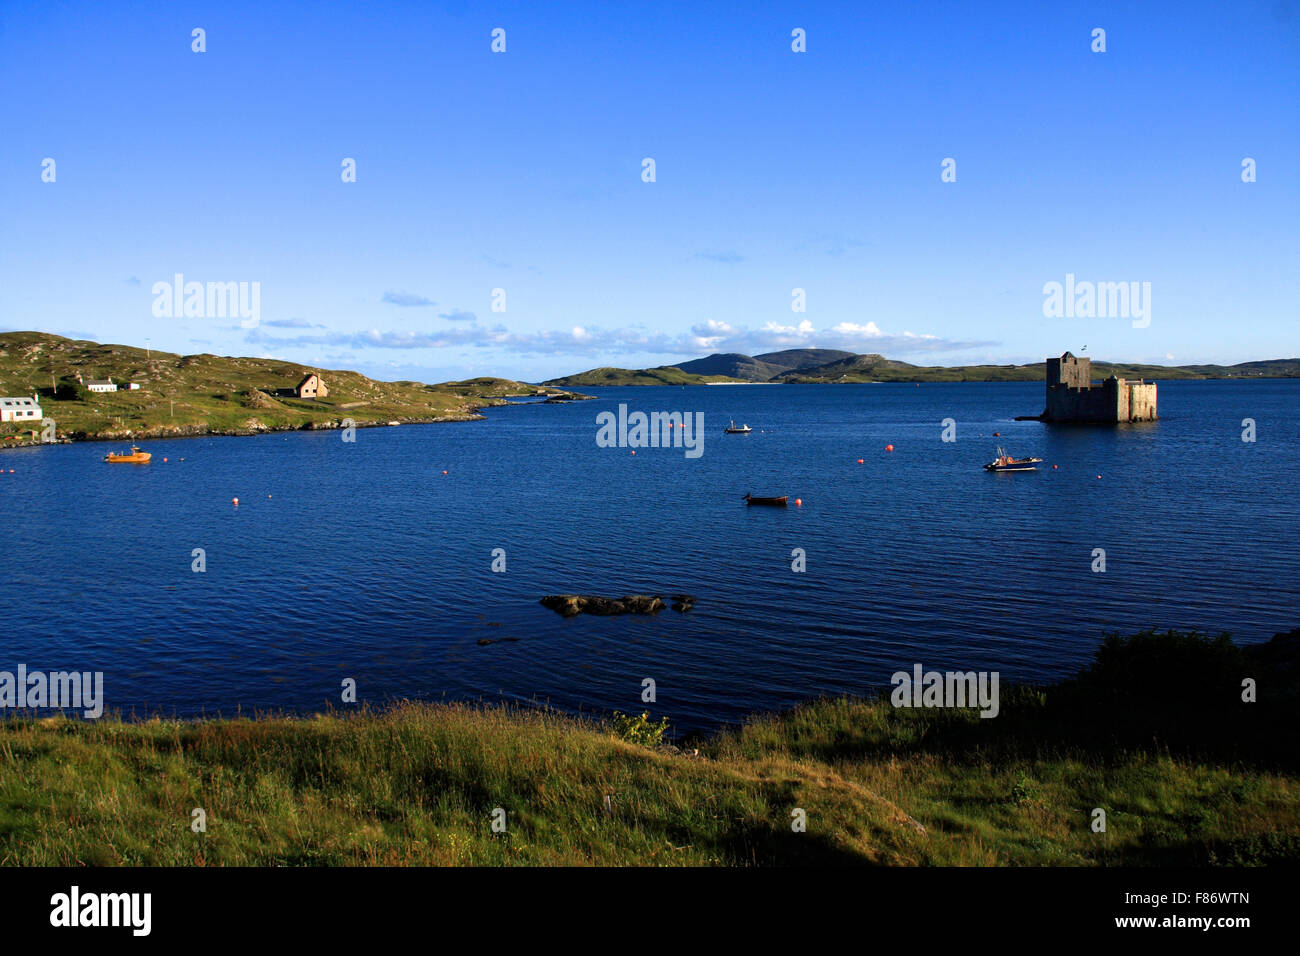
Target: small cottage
101 385
19 409
311 387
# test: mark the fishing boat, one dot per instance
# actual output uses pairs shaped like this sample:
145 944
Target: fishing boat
134 457
1005 462
774 502
733 430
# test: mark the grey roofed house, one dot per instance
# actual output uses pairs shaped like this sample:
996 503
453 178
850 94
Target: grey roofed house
16 407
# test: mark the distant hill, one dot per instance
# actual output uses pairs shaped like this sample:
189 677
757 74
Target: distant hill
877 368
746 368
831 366
761 368
212 394
796 359
664 375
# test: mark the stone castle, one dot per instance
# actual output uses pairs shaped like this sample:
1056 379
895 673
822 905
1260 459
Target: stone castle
1072 396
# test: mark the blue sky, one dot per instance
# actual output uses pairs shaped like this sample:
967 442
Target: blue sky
775 170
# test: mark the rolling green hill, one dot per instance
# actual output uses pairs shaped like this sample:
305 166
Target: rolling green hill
212 394
664 375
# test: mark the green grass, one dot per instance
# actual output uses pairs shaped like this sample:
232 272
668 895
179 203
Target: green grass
1213 782
665 375
210 394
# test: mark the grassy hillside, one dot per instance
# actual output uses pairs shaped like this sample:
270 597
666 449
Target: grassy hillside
790 359
200 394
666 375
1154 733
761 368
733 366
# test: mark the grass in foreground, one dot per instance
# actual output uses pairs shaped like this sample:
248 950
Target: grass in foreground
1154 732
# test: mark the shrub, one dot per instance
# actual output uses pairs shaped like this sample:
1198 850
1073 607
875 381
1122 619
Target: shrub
639 730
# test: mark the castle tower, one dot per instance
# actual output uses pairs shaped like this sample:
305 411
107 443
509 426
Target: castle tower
1070 371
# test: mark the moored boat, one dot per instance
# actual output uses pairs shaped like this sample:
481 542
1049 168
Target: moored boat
733 430
134 457
1005 462
774 502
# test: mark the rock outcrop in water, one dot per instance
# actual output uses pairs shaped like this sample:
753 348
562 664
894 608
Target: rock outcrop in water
571 605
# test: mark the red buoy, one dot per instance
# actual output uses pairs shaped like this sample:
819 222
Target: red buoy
798 502
889 448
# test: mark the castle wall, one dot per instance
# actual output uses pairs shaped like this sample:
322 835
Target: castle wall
1078 404
1111 401
1142 402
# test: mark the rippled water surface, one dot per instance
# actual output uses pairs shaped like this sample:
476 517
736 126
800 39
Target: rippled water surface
364 560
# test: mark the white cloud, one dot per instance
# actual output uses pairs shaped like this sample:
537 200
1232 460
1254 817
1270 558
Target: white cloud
704 337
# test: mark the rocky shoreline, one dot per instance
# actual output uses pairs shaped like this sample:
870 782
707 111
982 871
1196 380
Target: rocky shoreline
256 427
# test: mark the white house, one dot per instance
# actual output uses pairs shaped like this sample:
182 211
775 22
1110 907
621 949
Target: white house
101 385
19 409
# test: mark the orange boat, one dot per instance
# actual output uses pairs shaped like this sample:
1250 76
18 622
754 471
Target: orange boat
135 457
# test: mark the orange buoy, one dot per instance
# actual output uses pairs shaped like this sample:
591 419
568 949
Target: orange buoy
997 434
859 461
1054 467
889 448
444 471
634 453
164 459
234 501
798 502
1099 476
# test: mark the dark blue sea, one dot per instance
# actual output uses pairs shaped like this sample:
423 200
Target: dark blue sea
365 561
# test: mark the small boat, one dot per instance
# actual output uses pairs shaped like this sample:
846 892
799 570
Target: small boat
733 430
1005 462
774 502
134 457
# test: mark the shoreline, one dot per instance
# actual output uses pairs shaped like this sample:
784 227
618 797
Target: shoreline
196 431
206 432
